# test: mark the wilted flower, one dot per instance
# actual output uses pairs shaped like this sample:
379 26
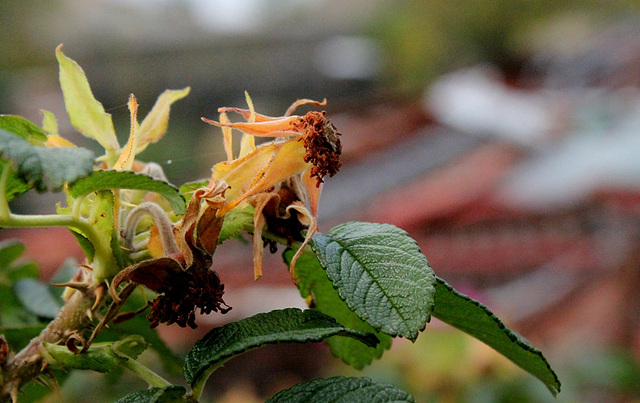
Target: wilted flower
305 149
182 274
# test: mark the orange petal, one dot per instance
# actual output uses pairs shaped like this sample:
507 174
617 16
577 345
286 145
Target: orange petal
300 102
274 128
55 140
246 113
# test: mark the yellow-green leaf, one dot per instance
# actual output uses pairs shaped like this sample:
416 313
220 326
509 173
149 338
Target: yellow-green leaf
49 122
86 113
155 123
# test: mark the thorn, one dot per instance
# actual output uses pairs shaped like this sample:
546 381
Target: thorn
99 296
76 286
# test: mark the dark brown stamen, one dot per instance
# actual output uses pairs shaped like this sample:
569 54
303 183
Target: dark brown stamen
183 294
322 142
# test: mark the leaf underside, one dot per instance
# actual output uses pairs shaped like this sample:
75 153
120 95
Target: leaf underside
475 319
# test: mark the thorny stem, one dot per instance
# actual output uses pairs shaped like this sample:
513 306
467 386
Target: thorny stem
27 364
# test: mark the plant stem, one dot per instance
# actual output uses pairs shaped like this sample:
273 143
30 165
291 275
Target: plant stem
4 179
52 220
26 365
152 378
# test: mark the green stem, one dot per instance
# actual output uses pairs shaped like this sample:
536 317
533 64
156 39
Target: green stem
4 179
55 220
152 378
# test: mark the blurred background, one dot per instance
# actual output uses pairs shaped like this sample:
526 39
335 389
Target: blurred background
503 135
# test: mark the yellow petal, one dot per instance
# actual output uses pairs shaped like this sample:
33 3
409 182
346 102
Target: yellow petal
247 144
57 141
227 137
127 156
258 225
286 162
241 173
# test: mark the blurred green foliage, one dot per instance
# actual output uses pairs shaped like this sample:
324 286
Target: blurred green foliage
423 39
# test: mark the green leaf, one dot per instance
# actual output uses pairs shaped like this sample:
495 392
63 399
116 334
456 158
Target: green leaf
37 298
109 179
314 283
155 123
87 247
12 311
169 394
342 389
130 347
23 271
281 326
475 319
20 335
235 222
10 250
16 187
11 270
87 115
187 189
381 274
49 122
42 167
23 128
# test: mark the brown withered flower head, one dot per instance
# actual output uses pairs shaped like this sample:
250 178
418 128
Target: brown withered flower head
322 142
182 275
183 293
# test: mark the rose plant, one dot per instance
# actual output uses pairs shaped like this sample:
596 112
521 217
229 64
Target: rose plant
149 250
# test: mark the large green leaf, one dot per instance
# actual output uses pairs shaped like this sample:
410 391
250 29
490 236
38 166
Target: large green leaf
381 274
109 179
314 283
342 389
475 319
42 167
280 326
170 394
87 115
23 128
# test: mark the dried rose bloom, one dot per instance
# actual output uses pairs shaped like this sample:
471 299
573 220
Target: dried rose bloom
305 149
182 275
